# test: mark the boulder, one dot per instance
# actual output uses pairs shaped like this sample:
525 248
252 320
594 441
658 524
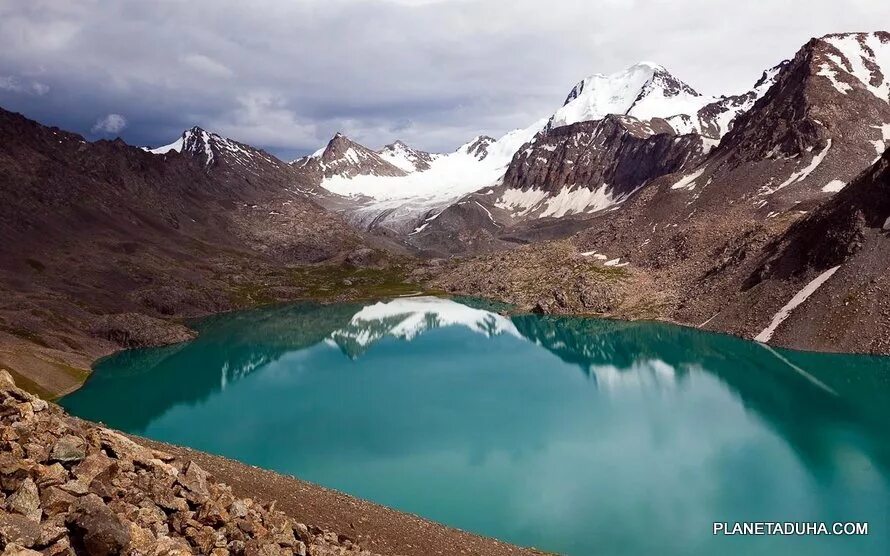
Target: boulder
68 449
26 501
18 529
95 529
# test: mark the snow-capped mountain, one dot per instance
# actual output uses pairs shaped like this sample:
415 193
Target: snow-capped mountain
343 157
399 199
407 158
616 133
212 148
647 91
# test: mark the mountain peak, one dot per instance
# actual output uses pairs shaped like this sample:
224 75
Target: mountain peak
645 90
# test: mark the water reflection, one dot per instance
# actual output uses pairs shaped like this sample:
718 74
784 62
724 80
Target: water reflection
569 433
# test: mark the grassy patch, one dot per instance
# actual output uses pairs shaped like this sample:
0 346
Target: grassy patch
346 282
611 273
247 295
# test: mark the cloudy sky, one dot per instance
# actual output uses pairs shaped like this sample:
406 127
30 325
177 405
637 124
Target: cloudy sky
287 74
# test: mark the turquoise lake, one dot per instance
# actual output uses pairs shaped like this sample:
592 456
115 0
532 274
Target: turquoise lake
577 436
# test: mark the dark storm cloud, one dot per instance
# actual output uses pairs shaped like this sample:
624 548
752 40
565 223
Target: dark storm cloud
287 75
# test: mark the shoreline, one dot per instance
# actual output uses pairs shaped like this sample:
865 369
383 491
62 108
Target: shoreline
375 527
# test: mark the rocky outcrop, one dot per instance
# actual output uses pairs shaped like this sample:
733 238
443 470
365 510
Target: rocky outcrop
618 153
135 330
69 487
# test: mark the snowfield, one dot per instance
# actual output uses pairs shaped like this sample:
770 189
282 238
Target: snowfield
449 177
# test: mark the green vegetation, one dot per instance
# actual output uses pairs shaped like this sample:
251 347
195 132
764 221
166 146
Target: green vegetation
325 282
28 385
252 294
610 273
347 282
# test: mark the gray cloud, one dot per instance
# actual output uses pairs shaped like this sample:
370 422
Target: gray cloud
110 124
287 75
15 84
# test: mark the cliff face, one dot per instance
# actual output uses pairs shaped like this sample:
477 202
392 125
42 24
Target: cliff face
619 153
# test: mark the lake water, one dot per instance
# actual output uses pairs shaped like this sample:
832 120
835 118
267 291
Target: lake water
579 436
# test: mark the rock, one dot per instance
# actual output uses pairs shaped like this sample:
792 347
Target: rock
103 483
132 330
12 471
68 449
55 500
6 381
194 479
121 447
75 487
142 541
16 549
87 470
95 529
18 529
361 257
169 546
50 533
106 494
26 501
239 508
51 475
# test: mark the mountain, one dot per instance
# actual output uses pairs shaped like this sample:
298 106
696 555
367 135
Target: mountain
393 190
102 241
696 244
648 92
345 158
407 158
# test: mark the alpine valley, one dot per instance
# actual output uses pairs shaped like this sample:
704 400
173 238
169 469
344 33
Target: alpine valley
764 214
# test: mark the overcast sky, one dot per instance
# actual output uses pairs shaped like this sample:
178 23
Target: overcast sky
286 75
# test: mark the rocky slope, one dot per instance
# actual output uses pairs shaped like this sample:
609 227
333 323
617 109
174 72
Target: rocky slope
69 487
103 243
844 242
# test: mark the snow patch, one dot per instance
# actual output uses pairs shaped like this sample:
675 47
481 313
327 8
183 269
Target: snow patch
834 186
881 144
802 174
795 302
582 199
826 71
521 202
688 182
